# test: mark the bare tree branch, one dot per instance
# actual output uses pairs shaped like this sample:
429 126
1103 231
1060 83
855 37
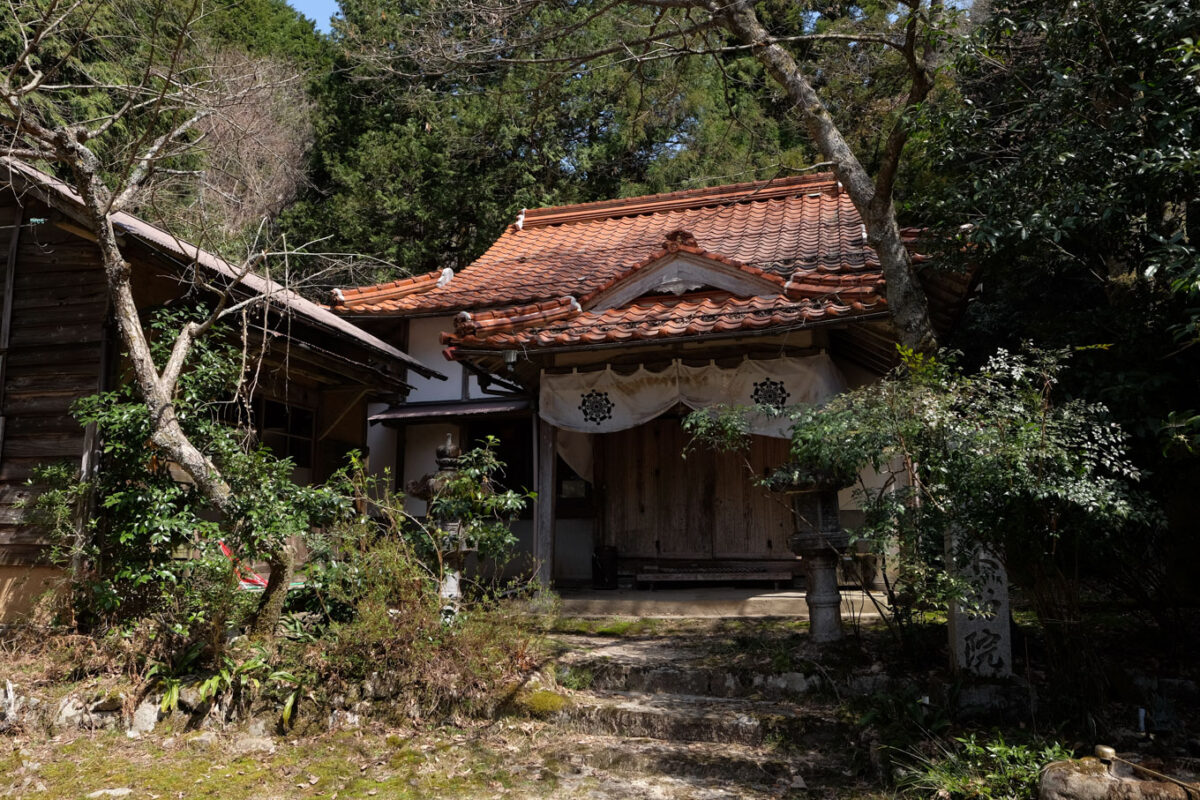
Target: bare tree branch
146 162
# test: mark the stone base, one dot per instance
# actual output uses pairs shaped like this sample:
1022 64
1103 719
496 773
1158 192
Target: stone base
1090 779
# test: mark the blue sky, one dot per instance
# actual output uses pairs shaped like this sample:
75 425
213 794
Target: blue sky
318 10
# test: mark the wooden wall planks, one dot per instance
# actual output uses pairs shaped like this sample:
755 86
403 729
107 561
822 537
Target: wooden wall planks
58 310
658 504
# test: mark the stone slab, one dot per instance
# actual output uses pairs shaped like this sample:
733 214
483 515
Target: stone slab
704 603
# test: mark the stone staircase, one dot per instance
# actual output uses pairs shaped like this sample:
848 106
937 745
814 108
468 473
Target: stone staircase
663 717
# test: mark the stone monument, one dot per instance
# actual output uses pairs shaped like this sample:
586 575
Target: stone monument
981 641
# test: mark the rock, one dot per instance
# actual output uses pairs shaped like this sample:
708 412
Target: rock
122 792
1090 779
796 682
1009 700
189 698
259 727
203 739
867 684
71 713
339 718
106 705
372 687
145 717
250 745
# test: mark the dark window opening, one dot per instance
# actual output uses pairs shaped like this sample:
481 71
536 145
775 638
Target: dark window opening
515 451
288 431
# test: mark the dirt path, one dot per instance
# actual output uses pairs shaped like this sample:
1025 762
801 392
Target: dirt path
694 714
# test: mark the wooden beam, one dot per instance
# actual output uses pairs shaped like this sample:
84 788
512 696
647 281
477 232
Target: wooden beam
10 274
73 228
355 397
543 524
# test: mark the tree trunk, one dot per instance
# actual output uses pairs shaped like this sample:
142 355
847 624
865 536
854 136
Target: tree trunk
270 608
905 296
158 389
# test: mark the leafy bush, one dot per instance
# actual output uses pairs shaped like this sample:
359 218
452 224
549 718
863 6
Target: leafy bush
151 549
375 581
471 497
395 632
994 458
968 769
148 565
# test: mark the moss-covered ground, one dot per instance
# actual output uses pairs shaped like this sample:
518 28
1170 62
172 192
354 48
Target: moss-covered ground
447 762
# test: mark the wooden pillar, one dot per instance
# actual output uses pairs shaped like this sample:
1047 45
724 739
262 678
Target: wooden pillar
543 522
6 318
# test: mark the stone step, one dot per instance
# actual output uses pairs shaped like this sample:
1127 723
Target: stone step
600 785
726 764
717 602
665 664
608 675
694 718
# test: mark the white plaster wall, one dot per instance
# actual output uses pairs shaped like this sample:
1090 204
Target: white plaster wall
424 344
420 457
851 515
381 443
872 481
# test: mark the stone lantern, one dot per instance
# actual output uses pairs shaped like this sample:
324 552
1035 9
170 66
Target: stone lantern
454 546
820 541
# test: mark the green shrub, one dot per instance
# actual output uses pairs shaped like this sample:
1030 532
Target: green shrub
375 582
151 548
396 628
967 769
570 676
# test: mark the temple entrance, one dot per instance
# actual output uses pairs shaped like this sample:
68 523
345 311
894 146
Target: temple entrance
660 508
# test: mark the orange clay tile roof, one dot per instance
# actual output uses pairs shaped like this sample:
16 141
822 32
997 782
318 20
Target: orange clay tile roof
776 226
534 285
660 318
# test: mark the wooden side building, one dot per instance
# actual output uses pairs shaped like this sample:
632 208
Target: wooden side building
58 343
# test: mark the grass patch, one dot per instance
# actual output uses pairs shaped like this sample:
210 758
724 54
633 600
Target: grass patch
574 677
446 763
607 626
971 769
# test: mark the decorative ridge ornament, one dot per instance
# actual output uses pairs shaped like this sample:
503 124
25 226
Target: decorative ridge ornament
677 239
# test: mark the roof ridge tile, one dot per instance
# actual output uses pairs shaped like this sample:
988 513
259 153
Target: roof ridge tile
678 200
